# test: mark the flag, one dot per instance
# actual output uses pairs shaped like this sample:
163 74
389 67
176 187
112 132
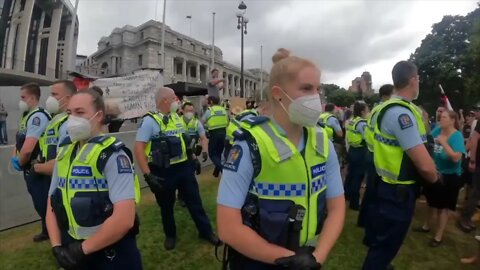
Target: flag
444 99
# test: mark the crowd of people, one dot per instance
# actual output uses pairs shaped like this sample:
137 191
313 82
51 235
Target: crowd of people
281 199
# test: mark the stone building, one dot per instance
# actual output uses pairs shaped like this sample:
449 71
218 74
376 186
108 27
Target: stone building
35 41
362 85
187 60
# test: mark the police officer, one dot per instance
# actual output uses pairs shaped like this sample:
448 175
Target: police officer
91 207
216 121
356 154
281 177
161 152
401 160
385 92
196 134
32 125
330 121
236 122
56 104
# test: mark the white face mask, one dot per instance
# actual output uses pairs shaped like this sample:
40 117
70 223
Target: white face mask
304 111
52 105
79 128
174 106
22 106
188 116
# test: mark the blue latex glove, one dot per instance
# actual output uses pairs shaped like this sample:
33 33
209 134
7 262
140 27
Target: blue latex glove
16 163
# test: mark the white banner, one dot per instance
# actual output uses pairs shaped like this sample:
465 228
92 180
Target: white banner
131 96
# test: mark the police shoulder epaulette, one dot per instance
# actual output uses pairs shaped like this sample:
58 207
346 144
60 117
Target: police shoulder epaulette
118 145
149 114
253 121
99 139
239 134
65 141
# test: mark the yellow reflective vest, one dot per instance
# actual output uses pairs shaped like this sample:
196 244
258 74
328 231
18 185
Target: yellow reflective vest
236 123
369 130
173 127
82 186
324 120
218 118
22 131
391 162
288 178
353 136
49 140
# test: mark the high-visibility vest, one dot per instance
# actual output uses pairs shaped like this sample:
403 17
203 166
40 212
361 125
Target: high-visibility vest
218 118
369 130
353 136
236 123
391 162
83 186
324 120
49 140
287 177
22 131
173 127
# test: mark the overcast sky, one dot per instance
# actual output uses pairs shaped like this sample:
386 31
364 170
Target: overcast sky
344 38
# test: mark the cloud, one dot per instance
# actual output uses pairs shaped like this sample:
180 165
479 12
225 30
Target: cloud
343 37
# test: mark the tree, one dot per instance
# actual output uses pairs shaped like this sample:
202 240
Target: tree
342 98
329 89
372 100
445 57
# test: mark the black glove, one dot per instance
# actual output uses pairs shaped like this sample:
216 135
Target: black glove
302 260
64 258
154 182
76 252
198 167
204 156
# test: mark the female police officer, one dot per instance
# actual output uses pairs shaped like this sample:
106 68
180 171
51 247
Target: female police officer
281 177
91 210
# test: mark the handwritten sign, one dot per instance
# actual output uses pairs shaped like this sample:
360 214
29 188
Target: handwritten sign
131 96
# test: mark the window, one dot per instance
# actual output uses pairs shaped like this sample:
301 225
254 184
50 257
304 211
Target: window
204 51
141 35
22 5
193 47
193 72
47 21
179 42
140 60
179 68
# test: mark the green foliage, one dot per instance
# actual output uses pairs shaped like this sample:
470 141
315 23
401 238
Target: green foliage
372 100
449 56
342 98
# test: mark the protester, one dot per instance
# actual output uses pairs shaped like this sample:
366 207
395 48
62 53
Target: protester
3 125
448 151
215 85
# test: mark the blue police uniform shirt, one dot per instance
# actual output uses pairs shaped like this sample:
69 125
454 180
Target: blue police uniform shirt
333 123
442 161
400 123
62 132
119 175
205 116
148 129
235 182
361 128
36 125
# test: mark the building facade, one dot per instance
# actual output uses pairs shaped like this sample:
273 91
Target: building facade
36 40
362 85
187 60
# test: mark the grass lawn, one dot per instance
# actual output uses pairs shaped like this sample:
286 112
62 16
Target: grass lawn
17 251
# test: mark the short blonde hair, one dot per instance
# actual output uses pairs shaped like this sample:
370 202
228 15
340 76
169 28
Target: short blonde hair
285 69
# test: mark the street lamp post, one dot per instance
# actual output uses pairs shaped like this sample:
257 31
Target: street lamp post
242 26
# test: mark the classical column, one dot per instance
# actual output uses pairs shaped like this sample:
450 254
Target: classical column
22 38
53 42
184 69
198 72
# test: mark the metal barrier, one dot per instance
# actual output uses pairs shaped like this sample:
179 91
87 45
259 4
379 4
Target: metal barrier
16 207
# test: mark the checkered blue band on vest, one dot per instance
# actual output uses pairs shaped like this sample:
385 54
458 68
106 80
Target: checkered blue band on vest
283 190
87 184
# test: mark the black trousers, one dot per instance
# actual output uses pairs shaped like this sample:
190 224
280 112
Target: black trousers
38 186
181 176
216 144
